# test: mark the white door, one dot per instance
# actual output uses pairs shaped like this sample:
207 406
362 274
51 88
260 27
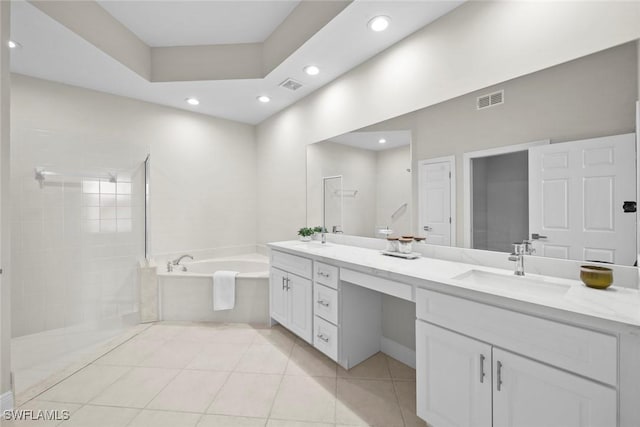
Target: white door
278 296
576 193
453 374
300 307
435 202
528 393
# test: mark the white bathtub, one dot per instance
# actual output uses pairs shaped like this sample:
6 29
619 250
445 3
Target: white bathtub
188 295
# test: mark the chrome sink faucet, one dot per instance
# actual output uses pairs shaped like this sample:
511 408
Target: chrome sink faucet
519 251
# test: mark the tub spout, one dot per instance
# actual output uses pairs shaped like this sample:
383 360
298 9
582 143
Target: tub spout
177 260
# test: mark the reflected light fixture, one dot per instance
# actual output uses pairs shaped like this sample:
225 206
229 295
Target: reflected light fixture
12 44
264 99
312 70
382 141
379 23
192 101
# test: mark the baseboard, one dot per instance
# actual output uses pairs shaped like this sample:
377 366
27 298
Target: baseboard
6 401
398 351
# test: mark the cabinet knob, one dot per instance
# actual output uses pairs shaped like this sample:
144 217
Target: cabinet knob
482 368
498 375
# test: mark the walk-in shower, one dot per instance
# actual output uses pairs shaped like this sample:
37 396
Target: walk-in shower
78 233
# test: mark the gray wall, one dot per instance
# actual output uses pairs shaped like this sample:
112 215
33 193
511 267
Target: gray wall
500 201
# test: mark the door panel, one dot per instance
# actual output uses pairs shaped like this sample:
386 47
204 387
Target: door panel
278 296
435 202
533 394
576 193
300 303
450 389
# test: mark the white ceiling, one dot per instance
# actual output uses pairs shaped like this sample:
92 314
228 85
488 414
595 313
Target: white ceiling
370 140
187 23
51 51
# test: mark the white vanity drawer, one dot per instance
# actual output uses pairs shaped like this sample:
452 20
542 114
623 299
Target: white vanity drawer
325 337
326 274
291 263
585 352
325 303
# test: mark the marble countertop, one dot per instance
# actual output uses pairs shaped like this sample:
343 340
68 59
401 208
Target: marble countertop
615 304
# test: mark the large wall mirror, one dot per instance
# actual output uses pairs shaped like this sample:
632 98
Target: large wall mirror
548 156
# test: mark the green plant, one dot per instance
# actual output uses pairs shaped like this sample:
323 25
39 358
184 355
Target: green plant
318 229
305 232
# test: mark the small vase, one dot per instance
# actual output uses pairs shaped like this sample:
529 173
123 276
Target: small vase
305 238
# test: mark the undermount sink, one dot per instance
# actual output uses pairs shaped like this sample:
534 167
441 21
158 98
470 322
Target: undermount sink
511 283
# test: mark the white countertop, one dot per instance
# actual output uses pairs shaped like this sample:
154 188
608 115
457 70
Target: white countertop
617 304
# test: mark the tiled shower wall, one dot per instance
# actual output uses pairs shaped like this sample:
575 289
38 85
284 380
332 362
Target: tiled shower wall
77 238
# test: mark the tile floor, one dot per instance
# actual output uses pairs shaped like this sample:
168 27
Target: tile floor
216 375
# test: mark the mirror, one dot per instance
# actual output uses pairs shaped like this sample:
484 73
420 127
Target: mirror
366 183
548 156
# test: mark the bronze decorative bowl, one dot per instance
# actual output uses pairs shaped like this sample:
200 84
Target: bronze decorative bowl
596 277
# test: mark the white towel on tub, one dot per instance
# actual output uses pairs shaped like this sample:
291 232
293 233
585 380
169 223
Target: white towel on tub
224 290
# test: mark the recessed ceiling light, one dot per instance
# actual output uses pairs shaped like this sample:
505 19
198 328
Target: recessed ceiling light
192 101
382 140
12 44
264 98
379 23
312 70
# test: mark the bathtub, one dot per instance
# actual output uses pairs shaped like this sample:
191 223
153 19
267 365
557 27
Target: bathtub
187 295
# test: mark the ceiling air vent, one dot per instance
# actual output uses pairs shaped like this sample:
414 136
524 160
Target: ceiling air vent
490 100
291 84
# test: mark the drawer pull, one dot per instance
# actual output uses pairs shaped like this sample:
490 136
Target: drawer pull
323 274
283 285
482 368
323 337
323 303
499 375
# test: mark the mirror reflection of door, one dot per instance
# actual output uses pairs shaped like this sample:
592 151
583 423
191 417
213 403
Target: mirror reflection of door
578 189
332 204
567 197
436 195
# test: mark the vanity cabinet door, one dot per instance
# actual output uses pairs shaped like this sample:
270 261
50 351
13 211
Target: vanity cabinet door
528 393
278 296
453 378
300 295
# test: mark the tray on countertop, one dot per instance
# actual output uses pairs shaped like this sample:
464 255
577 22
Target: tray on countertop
412 255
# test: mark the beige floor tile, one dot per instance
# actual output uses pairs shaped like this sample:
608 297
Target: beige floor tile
131 353
101 416
304 398
400 371
277 336
406 392
137 388
190 391
375 367
162 332
235 335
263 359
219 356
289 423
85 384
198 333
306 360
227 421
56 410
367 402
173 354
246 395
147 418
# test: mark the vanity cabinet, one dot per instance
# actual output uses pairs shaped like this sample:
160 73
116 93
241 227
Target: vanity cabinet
483 381
453 378
291 294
